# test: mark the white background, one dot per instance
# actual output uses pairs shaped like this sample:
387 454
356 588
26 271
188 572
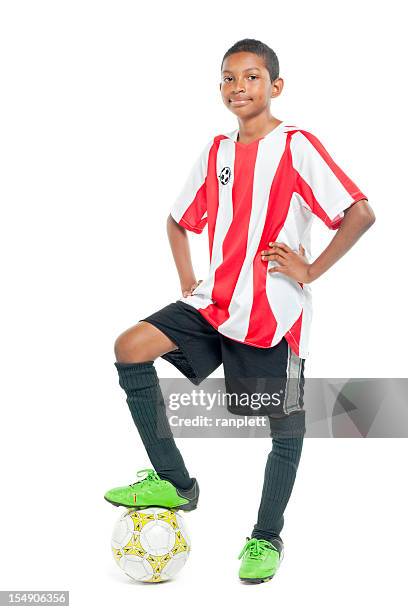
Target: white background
104 107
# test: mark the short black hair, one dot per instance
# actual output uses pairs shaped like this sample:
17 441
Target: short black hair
250 45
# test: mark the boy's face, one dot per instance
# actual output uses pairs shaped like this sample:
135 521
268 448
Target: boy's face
246 87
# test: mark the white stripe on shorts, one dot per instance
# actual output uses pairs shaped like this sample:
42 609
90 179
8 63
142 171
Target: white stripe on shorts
293 377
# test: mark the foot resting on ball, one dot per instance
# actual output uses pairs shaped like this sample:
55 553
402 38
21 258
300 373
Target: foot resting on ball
154 491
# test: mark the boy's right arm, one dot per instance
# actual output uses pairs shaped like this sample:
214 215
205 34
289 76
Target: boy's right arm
180 248
189 212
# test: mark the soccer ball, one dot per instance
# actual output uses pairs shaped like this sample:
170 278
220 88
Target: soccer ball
225 175
150 545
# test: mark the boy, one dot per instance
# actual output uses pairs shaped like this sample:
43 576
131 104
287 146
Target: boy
258 189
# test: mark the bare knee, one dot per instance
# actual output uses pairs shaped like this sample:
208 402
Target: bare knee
129 347
142 342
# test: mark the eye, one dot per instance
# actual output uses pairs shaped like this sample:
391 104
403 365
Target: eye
226 78
253 75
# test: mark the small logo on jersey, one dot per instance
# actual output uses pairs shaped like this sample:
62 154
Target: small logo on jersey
225 175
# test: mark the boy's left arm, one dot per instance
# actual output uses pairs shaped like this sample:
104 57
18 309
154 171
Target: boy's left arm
357 219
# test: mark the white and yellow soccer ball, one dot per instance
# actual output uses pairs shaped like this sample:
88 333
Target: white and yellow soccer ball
151 544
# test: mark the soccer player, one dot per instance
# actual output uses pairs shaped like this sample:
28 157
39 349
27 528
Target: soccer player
258 190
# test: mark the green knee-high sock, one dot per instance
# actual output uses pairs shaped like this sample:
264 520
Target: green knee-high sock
146 403
280 474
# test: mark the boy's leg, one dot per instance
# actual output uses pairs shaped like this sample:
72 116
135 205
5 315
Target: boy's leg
180 335
287 434
243 364
280 474
145 400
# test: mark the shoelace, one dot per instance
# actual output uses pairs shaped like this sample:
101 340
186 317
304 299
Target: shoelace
256 548
151 478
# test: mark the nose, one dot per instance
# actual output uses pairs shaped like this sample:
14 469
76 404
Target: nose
239 86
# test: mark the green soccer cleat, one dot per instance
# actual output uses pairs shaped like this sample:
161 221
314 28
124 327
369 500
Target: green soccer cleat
260 560
154 491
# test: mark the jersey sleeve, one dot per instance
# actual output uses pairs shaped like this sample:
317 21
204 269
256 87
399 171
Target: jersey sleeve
190 207
324 188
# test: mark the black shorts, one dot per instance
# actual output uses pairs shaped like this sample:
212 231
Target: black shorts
202 349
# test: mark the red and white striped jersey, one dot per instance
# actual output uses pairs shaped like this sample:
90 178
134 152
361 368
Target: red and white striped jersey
249 195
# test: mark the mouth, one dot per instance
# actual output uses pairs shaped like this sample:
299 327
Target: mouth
240 101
